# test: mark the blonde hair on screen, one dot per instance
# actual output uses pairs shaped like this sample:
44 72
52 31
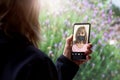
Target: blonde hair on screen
81 29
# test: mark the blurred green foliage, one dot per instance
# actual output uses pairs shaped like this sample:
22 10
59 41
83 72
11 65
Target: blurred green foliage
57 26
116 10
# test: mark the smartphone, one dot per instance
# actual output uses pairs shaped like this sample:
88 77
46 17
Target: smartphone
81 36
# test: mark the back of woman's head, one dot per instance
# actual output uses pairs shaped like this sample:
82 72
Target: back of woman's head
21 16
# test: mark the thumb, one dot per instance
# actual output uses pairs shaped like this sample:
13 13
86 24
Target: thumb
69 40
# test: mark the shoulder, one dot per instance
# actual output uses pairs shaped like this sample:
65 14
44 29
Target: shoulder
37 53
30 56
38 66
39 58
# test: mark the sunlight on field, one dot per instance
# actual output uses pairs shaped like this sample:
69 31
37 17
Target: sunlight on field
52 6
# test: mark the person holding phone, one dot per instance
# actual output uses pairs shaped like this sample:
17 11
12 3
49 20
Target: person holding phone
21 59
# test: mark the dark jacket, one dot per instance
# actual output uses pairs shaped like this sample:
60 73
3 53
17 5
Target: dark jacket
20 60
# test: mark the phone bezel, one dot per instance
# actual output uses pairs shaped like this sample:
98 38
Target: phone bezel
74 55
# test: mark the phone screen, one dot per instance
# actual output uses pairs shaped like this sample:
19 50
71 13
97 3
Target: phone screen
81 35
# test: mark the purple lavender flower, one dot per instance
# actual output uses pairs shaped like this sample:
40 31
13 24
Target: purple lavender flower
93 34
65 34
86 18
94 47
100 5
105 39
60 45
103 23
109 19
110 12
103 15
92 6
99 41
47 22
67 23
82 10
73 7
95 12
85 3
99 29
56 45
110 34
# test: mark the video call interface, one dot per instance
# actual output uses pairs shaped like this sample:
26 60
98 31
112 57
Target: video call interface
80 36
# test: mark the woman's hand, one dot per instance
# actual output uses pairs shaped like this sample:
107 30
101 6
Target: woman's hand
68 50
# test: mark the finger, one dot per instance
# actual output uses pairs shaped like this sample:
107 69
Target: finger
69 39
78 62
88 57
89 46
88 52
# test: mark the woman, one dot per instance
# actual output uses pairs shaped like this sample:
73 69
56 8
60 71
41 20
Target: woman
80 40
19 38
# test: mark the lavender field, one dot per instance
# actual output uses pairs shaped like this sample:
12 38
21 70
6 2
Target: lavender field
57 18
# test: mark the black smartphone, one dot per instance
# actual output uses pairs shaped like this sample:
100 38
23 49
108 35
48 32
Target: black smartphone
81 36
